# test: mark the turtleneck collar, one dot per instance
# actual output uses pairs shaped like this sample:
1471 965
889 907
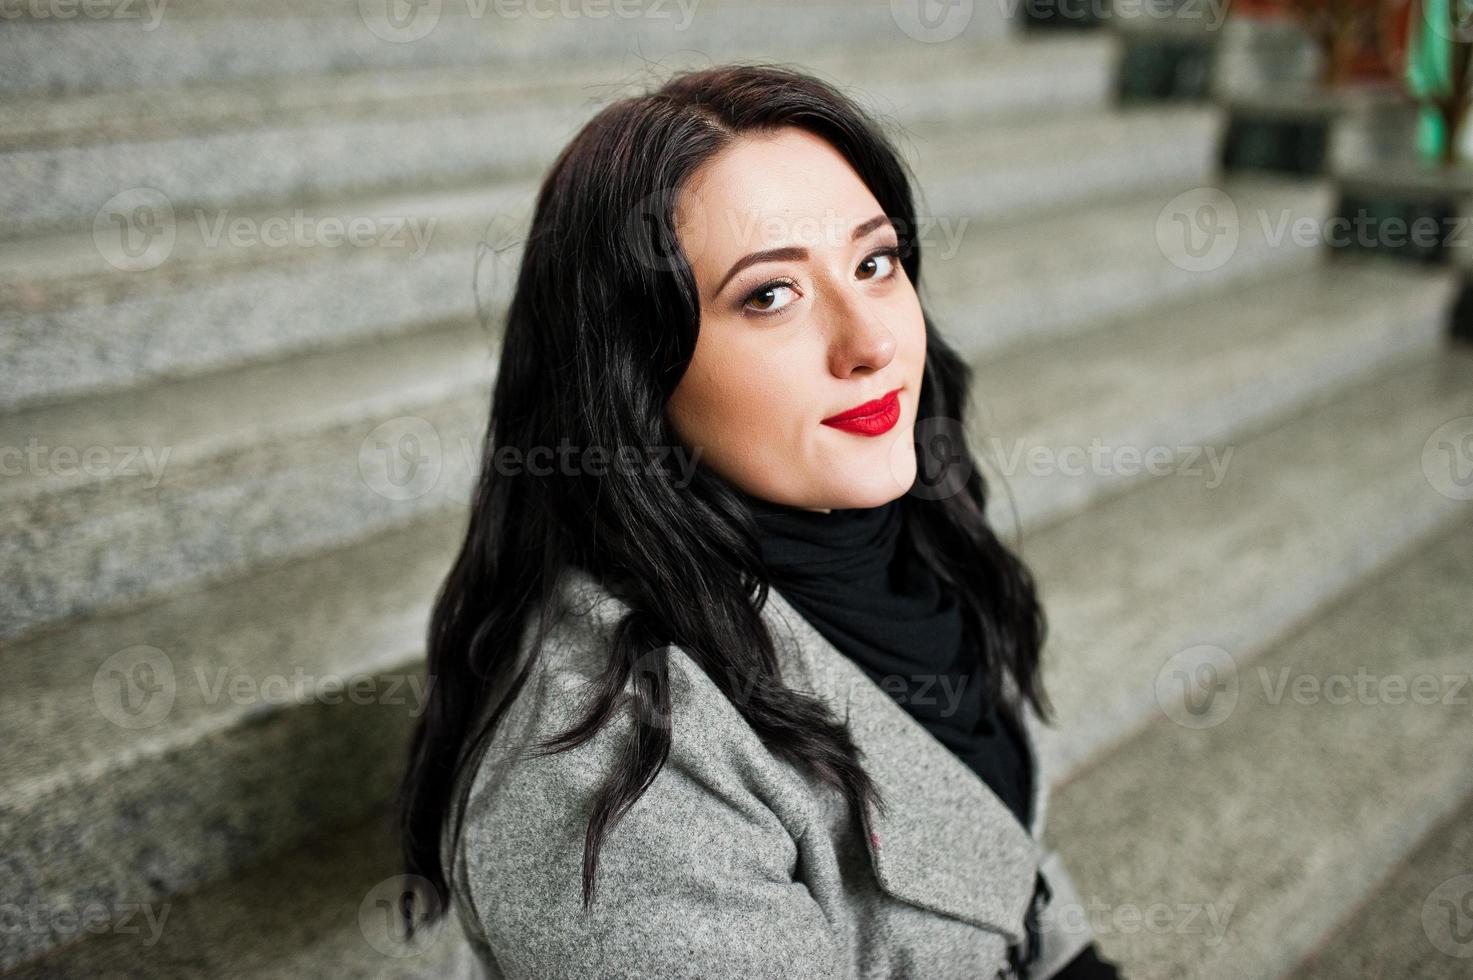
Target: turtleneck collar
851 573
856 545
854 575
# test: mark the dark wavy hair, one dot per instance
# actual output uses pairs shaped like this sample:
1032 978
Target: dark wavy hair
601 325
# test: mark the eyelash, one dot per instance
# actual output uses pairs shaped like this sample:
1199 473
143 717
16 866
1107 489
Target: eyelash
892 251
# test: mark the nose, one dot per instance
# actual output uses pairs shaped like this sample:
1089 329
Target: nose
859 339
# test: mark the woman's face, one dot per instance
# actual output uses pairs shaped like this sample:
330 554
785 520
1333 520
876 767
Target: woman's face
801 320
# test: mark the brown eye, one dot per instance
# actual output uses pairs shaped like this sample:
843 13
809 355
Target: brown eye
761 307
890 255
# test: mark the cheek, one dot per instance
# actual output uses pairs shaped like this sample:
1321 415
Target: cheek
908 312
900 311
745 403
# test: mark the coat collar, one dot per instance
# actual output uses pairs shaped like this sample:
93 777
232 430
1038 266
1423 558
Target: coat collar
943 841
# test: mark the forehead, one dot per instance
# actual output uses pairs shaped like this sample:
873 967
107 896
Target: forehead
789 187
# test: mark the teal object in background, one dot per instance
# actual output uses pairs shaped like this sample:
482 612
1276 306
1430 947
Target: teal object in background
1429 73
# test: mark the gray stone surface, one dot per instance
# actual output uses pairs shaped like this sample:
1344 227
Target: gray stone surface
911 81
1035 165
214 41
315 911
282 162
1415 925
1186 377
1065 272
1303 512
298 141
191 482
152 752
212 307
1252 836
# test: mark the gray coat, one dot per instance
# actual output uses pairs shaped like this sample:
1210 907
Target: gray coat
734 863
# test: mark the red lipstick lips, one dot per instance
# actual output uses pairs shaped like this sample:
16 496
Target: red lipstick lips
870 419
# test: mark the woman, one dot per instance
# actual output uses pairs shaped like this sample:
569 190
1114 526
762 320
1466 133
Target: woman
770 714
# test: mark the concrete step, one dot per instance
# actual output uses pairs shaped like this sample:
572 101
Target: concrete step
152 752
127 497
319 910
1301 514
911 82
279 163
1061 274
1416 924
61 164
123 45
1035 163
72 326
988 85
1229 839
1061 424
87 327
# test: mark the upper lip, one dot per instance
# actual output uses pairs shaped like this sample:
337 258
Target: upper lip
867 408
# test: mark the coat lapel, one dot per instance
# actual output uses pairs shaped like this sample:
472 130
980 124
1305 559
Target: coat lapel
943 841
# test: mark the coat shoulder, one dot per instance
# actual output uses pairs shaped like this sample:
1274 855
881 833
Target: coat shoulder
702 838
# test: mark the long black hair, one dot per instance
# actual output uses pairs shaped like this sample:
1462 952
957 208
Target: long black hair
601 325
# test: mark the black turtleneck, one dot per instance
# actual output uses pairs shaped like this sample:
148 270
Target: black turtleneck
852 575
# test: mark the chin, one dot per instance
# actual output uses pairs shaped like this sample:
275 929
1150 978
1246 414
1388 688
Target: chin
871 488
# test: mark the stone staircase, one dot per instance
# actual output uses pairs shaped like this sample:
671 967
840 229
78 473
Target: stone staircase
245 458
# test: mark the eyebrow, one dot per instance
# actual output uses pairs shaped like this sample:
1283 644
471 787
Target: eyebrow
796 252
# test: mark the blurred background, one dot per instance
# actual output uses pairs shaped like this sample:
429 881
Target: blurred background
1209 261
